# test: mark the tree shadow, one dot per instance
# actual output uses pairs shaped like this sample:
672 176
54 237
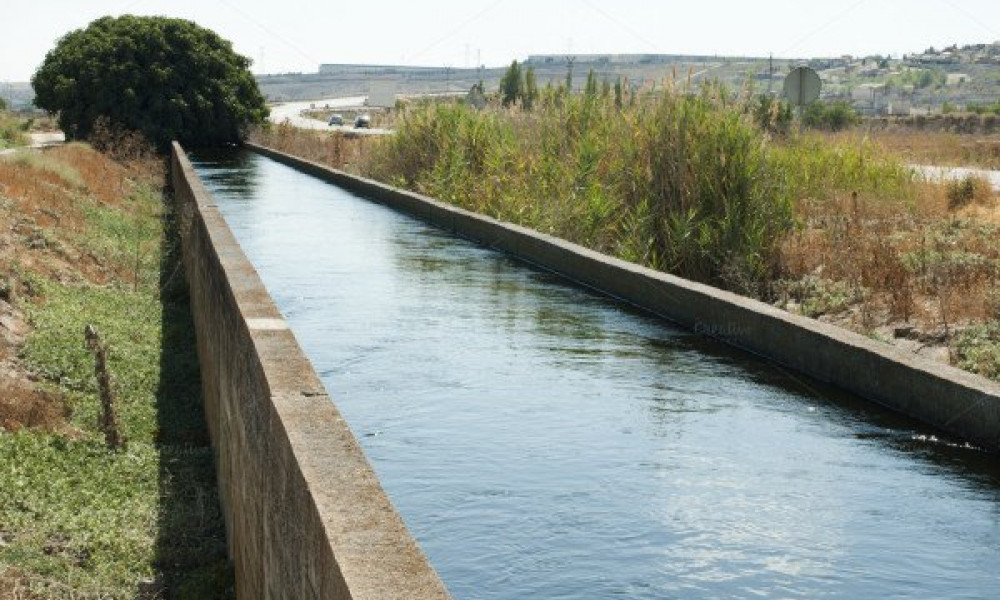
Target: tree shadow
191 557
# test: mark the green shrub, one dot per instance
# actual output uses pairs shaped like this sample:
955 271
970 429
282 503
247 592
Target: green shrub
11 131
166 78
978 349
813 168
771 114
677 181
685 182
830 116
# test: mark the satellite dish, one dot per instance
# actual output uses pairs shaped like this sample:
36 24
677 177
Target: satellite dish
802 86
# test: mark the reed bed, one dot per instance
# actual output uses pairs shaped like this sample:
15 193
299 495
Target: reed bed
709 185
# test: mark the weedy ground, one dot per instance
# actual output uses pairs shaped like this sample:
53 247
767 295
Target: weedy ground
709 186
12 131
929 146
85 238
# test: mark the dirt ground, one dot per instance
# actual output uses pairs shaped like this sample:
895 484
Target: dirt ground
42 236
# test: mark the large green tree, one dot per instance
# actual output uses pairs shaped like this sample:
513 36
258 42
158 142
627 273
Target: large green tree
167 78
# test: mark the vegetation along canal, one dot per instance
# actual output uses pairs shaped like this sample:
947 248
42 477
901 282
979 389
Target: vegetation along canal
544 442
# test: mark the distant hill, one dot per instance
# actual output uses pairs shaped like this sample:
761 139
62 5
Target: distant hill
18 94
927 82
334 80
918 83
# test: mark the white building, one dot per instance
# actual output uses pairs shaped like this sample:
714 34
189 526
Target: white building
953 79
868 92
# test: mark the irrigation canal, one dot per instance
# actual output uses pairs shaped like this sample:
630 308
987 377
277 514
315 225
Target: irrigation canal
542 442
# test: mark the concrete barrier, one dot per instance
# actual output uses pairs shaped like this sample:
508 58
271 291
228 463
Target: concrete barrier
957 402
305 515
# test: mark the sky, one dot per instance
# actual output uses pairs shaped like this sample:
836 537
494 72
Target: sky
298 35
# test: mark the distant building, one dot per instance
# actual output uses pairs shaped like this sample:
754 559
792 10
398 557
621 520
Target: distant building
873 71
870 98
957 79
943 58
899 106
868 92
382 94
334 69
617 59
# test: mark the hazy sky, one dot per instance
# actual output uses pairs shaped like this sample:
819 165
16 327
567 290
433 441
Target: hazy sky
296 35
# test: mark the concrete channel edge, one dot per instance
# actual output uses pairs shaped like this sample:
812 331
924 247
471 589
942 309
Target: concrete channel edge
955 401
305 514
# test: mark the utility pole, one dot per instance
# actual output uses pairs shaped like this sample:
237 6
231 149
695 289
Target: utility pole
770 74
569 73
480 67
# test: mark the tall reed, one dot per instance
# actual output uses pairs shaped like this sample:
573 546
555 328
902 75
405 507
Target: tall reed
678 181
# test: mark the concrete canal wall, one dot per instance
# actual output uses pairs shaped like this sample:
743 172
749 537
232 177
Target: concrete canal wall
305 515
953 400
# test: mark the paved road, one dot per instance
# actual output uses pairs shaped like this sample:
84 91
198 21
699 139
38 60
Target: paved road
935 173
292 113
40 140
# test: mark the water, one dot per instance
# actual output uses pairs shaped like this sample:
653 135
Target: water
543 442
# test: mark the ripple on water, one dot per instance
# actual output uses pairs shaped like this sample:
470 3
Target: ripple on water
542 442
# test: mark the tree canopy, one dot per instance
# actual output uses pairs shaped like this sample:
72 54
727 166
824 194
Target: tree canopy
519 86
512 84
166 78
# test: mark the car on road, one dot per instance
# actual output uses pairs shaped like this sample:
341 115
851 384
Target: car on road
363 121
335 120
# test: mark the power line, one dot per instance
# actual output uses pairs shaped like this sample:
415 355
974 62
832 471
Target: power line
823 27
456 29
273 34
972 17
249 18
621 25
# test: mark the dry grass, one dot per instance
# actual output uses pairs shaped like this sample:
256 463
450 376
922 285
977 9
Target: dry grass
379 118
14 585
929 147
919 269
917 272
48 202
345 152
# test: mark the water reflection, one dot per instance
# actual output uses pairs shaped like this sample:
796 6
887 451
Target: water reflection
542 442
238 174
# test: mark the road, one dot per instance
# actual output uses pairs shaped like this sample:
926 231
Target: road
291 112
40 140
935 173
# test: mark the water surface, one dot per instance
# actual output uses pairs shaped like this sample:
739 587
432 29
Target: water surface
544 442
